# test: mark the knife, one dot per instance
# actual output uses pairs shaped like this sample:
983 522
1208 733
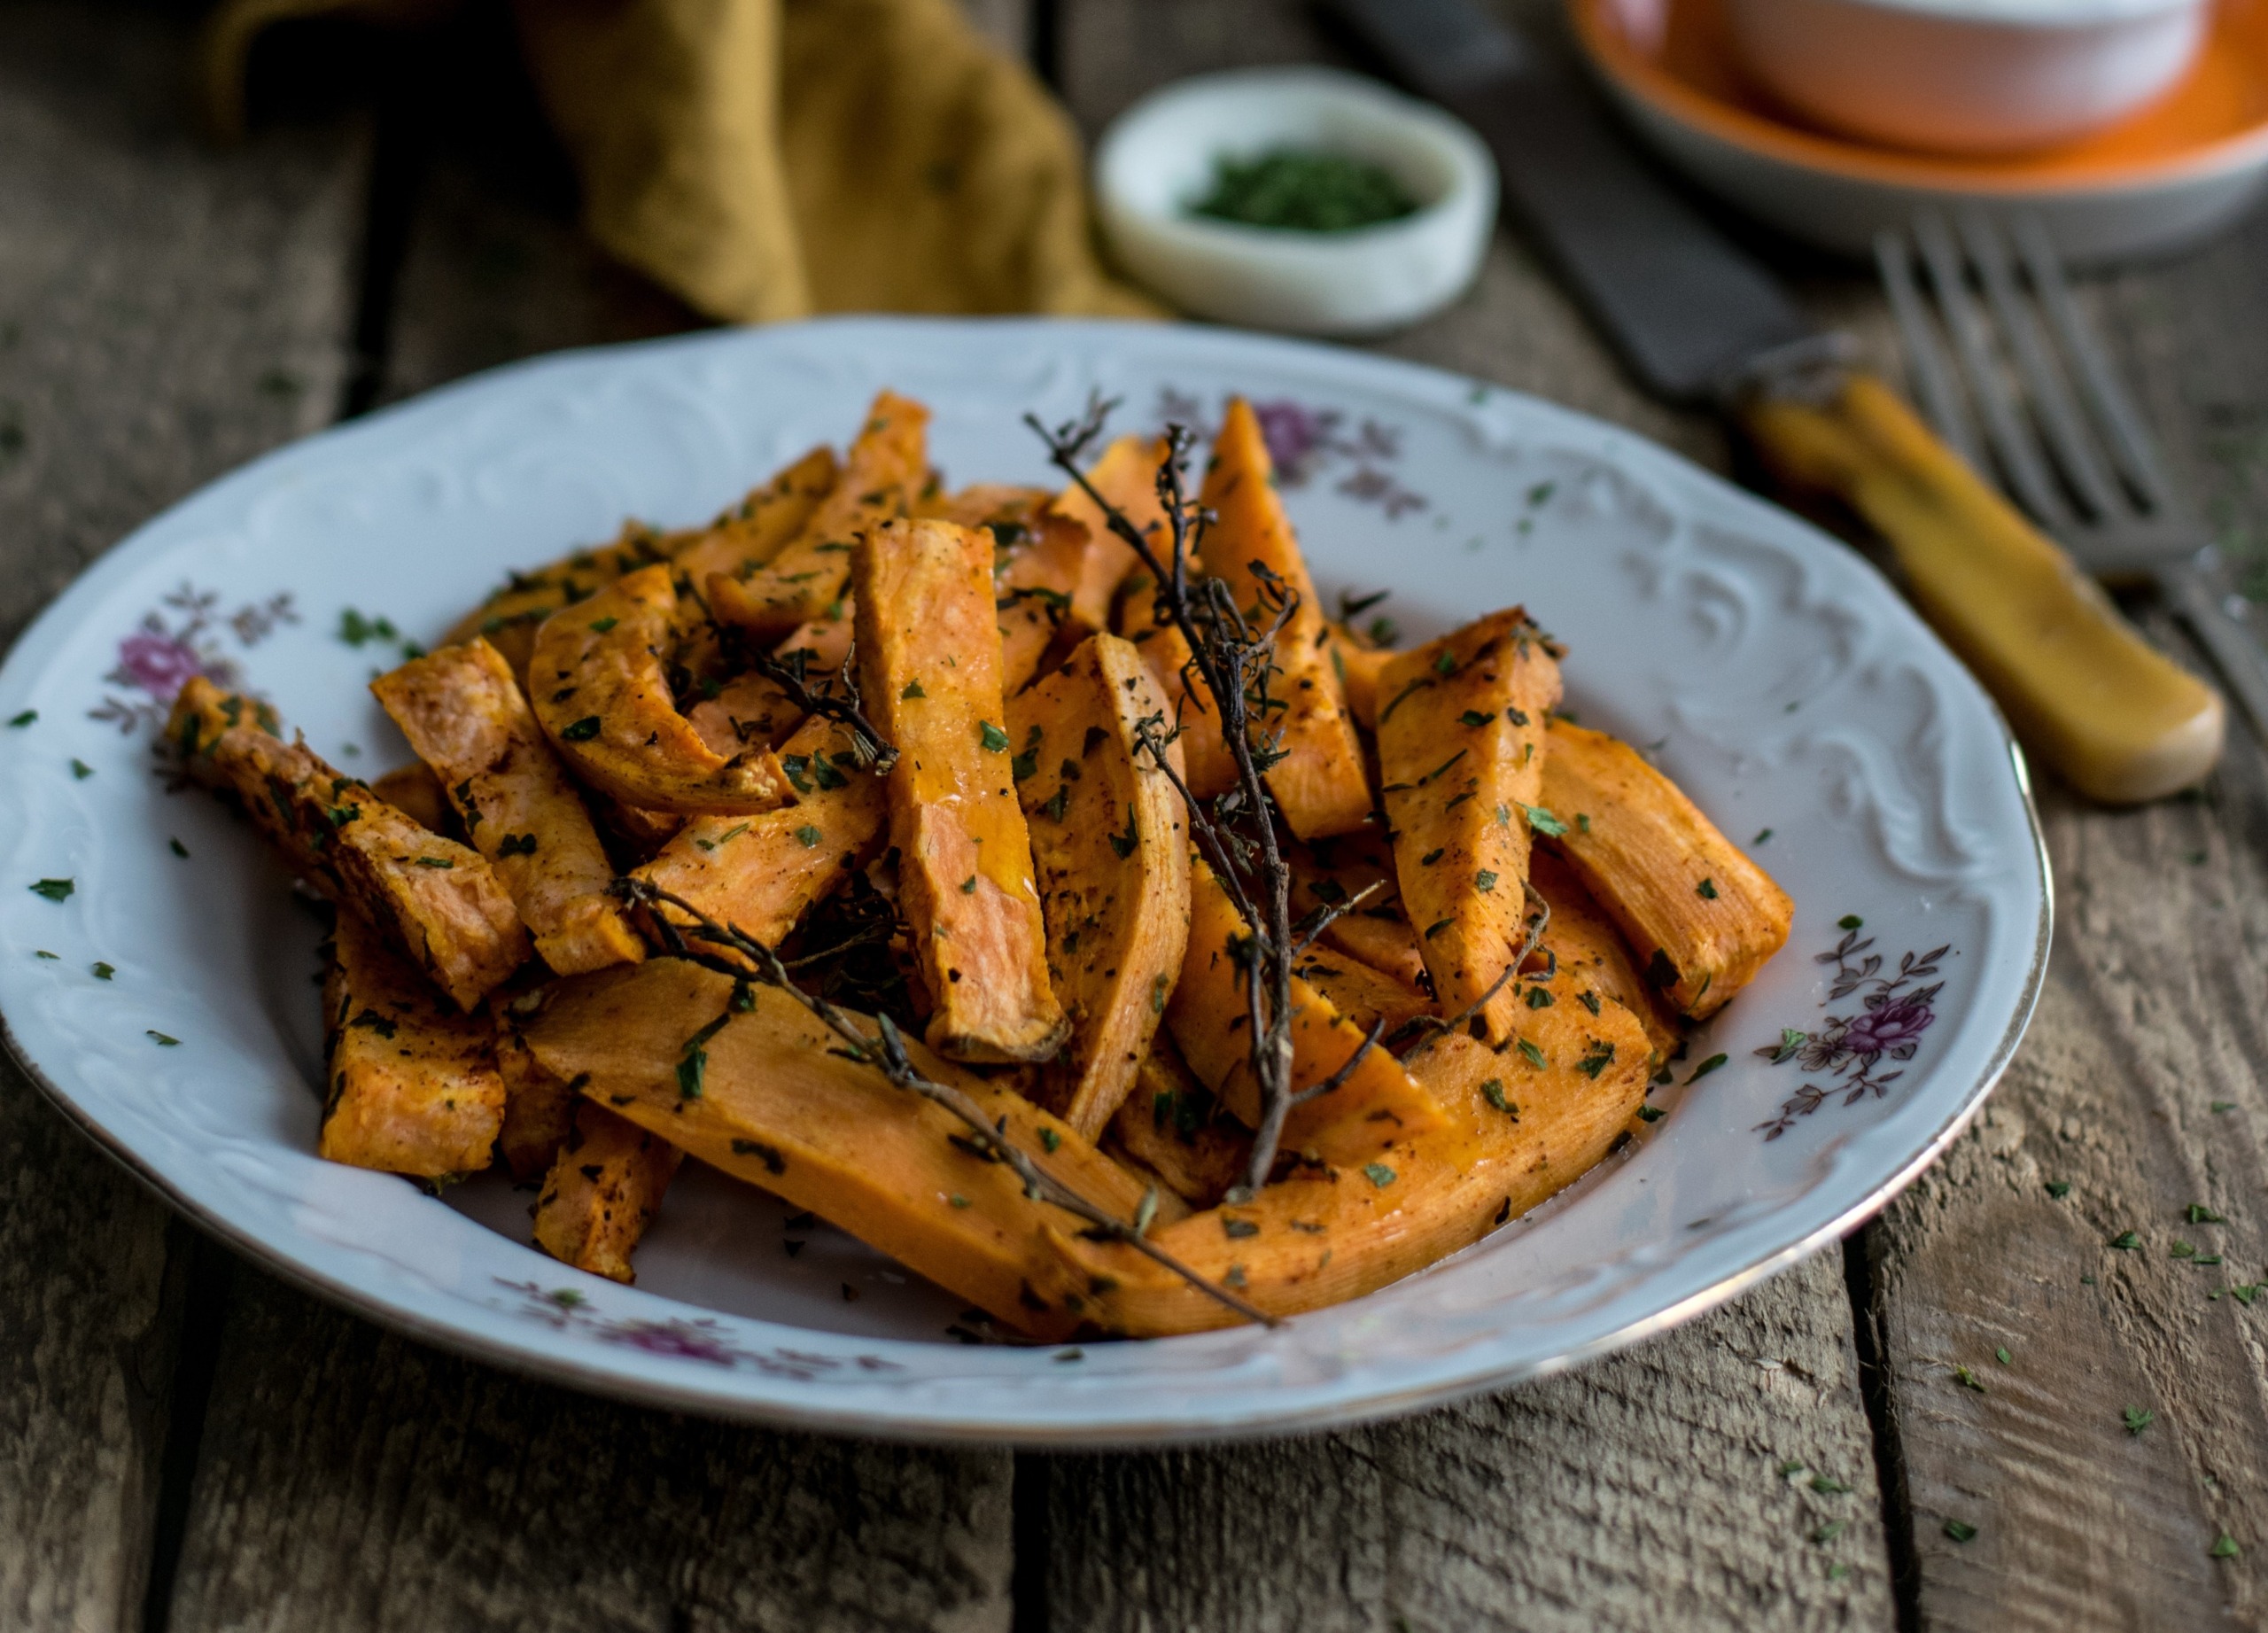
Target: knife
1698 320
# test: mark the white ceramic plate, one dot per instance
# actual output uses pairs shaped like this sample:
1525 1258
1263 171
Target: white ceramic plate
1776 675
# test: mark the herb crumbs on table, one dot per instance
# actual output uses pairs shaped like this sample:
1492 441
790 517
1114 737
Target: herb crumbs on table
1961 1531
2003 1356
178 848
2125 1241
2059 1188
1969 1381
2224 1547
2197 1213
2137 1418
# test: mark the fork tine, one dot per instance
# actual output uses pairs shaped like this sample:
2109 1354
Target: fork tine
2053 408
1924 359
2012 448
2130 444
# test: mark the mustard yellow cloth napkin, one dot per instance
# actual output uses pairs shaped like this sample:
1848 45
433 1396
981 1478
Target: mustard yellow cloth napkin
768 159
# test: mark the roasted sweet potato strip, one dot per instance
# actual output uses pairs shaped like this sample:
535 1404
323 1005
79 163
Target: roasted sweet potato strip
1583 946
436 902
1461 746
1189 704
782 1107
1318 784
414 791
412 1086
883 472
1208 1018
753 708
1511 1134
599 687
463 713
509 617
1127 476
539 1108
601 1192
761 525
1700 916
930 669
1172 1125
1109 838
762 874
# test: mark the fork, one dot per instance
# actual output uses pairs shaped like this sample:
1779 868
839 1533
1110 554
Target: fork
2063 438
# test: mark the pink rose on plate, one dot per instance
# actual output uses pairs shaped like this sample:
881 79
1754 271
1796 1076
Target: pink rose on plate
159 663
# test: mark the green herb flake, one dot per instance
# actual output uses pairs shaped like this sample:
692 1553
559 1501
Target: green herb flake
1124 844
81 771
1595 1059
1848 920
2002 1356
161 1040
599 626
810 835
1829 1532
1485 880
1537 998
1049 1139
1532 1055
992 737
1705 1069
2137 1418
43 952
1706 889
1968 1380
55 890
25 718
1437 927
2197 1213
958 1200
2224 1547
2125 1241
1542 821
1473 717
582 730
2059 1188
104 972
968 885
1961 1531
1827 1485
1378 1174
1650 1114
1762 834
435 861
1238 1228
178 849
2220 1106
1493 1091
1446 664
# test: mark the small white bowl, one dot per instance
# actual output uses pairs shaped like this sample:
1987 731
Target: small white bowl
1158 158
1968 76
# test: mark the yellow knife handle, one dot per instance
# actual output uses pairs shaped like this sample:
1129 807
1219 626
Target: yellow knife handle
2118 718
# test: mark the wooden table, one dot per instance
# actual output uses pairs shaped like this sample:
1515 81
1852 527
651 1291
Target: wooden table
186 1443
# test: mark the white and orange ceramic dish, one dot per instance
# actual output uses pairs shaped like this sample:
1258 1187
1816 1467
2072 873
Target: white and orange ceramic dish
2165 177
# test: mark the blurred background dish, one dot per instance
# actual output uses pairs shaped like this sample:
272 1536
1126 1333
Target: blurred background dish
1967 77
1275 143
2163 179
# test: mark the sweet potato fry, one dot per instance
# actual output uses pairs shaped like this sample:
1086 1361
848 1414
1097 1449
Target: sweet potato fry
414 791
781 1107
1173 1127
1318 784
761 525
1189 704
1127 476
1701 917
598 687
1583 943
510 617
436 902
1109 838
464 714
601 1192
930 669
884 470
539 1108
761 874
1461 745
411 1085
753 708
1208 1019
1512 1134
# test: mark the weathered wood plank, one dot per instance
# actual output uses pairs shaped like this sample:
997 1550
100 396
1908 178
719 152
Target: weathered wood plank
1640 1493
353 1480
1643 1493
166 312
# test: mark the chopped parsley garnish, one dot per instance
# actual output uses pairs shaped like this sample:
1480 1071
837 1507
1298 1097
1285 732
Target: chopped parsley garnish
55 890
1473 717
435 861
1378 1174
582 730
1124 844
1532 1055
1961 1531
1485 880
599 626
1542 821
2059 1188
104 972
2137 1418
2197 1213
178 848
912 690
810 835
1705 1069
1848 920
1762 834
991 736
2125 1241
1706 889
1238 1228
25 718
81 771
161 1040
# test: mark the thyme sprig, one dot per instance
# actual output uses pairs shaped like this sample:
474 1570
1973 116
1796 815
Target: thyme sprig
1234 655
845 706
884 1049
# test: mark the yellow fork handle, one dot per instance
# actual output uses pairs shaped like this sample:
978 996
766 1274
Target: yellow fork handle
2118 718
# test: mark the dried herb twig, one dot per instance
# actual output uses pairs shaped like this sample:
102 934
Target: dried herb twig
844 707
885 1050
1234 657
